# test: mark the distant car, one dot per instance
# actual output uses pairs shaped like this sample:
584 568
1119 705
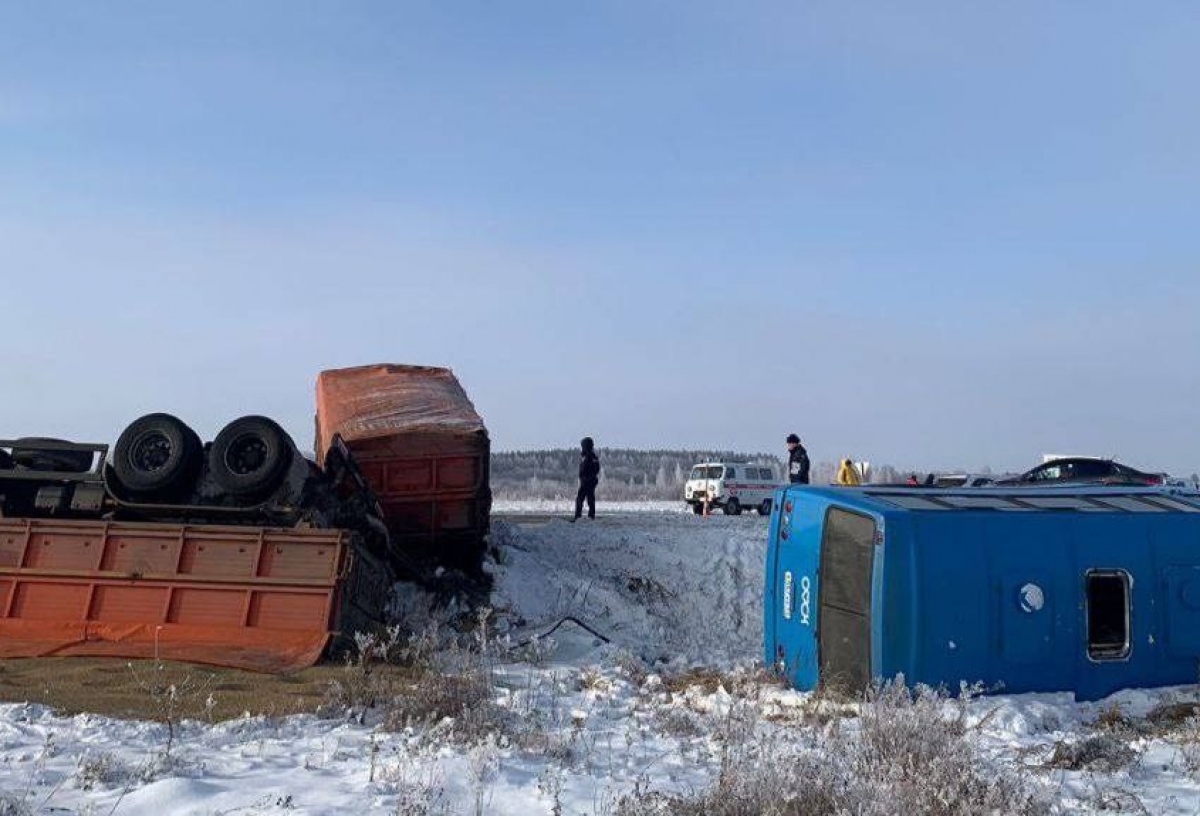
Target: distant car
963 480
733 487
1082 470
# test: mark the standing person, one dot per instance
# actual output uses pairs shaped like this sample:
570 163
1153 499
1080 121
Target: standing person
798 464
589 477
848 474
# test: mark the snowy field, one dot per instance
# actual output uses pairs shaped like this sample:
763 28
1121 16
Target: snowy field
646 723
566 507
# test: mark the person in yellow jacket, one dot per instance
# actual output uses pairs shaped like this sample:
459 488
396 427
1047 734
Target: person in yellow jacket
848 474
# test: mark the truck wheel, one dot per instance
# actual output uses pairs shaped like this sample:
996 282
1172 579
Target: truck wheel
733 507
26 454
764 509
157 454
250 456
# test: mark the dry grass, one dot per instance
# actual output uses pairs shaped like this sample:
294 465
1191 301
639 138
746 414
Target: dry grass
906 755
73 685
1105 753
1170 717
709 681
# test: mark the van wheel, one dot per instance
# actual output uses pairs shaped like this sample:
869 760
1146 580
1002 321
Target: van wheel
764 509
733 507
156 454
698 508
250 456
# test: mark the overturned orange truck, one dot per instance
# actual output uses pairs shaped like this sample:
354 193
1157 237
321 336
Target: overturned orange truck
241 552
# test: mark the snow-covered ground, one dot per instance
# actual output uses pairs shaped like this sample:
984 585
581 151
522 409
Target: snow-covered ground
678 597
683 589
566 507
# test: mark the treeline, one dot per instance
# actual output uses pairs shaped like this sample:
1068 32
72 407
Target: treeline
626 475
641 475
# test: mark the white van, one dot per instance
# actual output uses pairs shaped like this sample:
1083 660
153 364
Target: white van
732 486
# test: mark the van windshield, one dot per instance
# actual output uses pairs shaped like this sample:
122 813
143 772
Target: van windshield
706 472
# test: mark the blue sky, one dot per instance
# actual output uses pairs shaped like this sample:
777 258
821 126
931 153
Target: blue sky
934 234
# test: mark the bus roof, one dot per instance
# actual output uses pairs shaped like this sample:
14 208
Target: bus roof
1011 499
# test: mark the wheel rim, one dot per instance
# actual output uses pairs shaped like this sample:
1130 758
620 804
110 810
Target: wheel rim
247 454
151 452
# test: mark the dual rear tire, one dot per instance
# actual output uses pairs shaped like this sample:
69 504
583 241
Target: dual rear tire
160 458
157 457
250 456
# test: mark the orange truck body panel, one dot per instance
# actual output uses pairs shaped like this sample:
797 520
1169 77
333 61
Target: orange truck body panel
257 598
421 446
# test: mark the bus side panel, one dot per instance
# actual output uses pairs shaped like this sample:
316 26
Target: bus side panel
992 603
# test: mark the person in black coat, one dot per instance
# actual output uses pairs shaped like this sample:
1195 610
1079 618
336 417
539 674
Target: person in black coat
589 477
798 464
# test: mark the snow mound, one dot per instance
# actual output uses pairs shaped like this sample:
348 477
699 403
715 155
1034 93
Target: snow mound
669 588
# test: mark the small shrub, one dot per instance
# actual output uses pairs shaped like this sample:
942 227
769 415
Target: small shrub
633 667
433 698
592 679
170 699
679 724
1113 718
420 796
103 769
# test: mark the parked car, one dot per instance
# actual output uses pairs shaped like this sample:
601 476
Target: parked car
963 480
731 486
1084 470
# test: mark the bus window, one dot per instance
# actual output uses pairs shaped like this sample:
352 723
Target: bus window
1108 614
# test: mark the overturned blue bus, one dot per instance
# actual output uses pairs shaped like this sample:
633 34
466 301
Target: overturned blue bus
1081 590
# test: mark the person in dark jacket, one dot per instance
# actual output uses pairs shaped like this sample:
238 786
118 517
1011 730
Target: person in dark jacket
798 464
589 477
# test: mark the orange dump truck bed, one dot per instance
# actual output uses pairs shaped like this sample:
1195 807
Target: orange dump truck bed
422 447
249 597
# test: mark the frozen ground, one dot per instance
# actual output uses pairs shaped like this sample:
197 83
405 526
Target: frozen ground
587 722
566 507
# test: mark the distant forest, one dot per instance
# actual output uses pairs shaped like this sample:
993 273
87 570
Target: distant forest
632 475
629 475
625 475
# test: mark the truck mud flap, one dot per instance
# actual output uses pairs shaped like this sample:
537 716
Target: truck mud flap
262 599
